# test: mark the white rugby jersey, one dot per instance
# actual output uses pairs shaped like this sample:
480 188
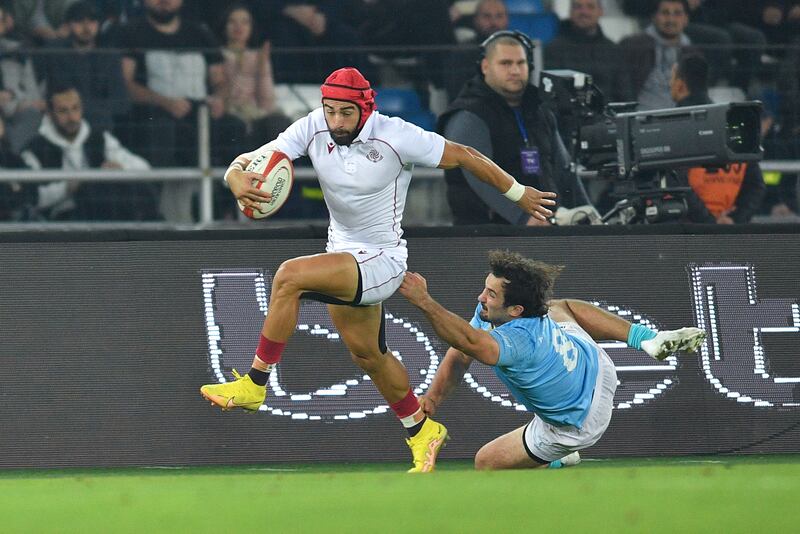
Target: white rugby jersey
364 184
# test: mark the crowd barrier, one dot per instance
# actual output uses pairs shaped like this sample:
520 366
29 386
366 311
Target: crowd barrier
107 337
427 204
412 70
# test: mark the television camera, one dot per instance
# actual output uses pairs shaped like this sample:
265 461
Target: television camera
640 151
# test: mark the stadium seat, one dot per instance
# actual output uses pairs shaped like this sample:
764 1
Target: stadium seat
524 7
725 95
297 100
543 26
393 101
561 8
404 103
617 28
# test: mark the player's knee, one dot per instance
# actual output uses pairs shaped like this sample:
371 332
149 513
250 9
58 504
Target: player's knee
366 360
285 281
559 310
484 460
557 305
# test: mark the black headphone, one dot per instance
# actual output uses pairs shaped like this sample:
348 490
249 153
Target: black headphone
518 36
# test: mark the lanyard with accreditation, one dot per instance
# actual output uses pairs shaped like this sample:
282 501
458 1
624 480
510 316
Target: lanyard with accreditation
529 155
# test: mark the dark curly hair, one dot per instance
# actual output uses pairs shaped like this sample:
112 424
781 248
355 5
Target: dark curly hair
530 283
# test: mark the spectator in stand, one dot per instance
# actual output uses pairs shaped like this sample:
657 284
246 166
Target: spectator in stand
97 74
782 141
15 198
42 20
725 23
66 141
172 66
115 14
403 23
789 89
581 45
732 194
769 16
650 56
250 94
316 25
21 95
490 16
793 19
500 114
714 23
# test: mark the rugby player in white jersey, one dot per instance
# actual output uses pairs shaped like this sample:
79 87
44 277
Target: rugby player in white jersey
545 352
364 162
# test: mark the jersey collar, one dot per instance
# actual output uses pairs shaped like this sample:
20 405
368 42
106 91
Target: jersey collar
366 131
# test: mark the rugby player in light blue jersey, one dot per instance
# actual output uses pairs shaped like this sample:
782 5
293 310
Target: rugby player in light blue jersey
545 352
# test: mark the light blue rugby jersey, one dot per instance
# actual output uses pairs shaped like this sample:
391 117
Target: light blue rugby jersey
550 372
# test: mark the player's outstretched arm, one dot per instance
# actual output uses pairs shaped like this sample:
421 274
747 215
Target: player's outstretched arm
457 332
530 199
449 374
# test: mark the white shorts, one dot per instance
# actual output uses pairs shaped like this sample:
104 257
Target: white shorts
381 273
547 442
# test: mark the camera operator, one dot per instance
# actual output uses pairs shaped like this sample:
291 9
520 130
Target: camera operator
732 194
500 113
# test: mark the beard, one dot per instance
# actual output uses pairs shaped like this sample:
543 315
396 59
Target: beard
68 131
343 137
84 39
162 17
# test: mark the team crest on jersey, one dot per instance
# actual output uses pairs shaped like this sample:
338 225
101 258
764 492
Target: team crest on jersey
374 156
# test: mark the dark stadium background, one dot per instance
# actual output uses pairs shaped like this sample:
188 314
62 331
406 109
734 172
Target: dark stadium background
104 344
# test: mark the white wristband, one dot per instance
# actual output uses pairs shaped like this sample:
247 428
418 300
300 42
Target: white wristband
515 192
235 165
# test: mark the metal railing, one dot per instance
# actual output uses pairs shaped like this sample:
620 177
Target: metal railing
427 189
429 183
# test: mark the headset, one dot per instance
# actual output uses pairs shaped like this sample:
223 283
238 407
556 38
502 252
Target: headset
518 36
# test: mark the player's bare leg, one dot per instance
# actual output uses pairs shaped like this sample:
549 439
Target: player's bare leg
602 325
508 452
598 323
360 329
335 275
332 274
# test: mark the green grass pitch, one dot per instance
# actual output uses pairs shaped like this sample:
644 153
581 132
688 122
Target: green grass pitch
676 495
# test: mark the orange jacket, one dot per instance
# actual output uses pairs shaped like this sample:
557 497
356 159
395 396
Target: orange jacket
718 188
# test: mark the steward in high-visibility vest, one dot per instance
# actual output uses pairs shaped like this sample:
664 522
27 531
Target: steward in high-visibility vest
736 190
732 194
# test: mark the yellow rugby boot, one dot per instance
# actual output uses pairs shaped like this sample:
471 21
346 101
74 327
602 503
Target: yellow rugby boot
425 446
241 393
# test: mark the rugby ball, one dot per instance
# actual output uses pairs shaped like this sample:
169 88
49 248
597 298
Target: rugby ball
278 173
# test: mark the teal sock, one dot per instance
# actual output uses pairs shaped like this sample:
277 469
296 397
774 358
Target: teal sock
637 334
554 464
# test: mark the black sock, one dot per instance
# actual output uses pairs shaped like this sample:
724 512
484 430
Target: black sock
258 377
414 430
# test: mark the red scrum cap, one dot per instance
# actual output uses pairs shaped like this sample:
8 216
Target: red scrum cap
349 84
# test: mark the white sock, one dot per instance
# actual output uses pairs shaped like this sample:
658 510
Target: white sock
409 421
